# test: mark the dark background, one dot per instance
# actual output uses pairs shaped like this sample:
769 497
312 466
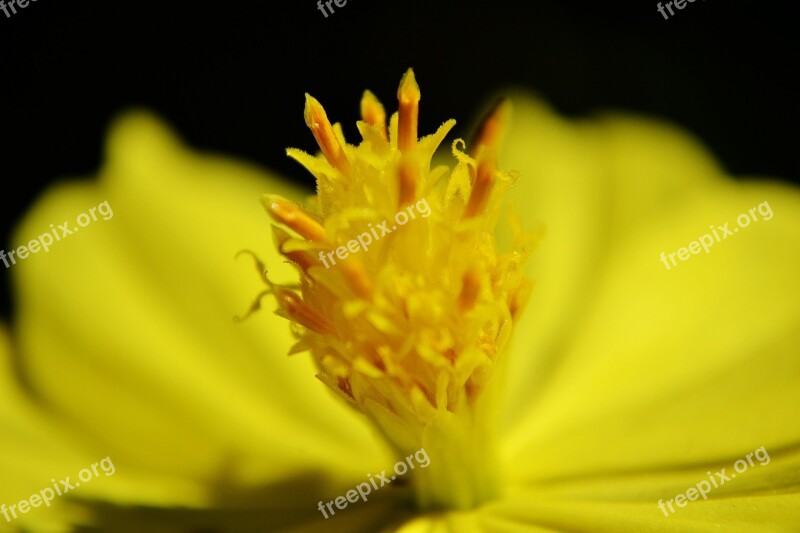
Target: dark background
230 76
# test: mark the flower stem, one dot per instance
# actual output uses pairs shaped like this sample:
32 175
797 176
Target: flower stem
463 465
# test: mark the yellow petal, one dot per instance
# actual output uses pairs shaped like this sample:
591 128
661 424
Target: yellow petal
764 497
33 449
126 327
697 363
582 186
251 516
494 518
629 365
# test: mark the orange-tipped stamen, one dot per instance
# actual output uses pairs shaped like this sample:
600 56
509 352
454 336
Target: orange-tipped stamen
320 126
297 310
493 127
481 187
293 216
372 113
303 259
358 277
408 177
406 333
470 289
519 298
408 95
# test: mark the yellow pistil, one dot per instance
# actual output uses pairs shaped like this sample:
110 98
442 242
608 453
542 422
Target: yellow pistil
403 299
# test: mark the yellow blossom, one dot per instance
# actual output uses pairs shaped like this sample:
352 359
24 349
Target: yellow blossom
622 384
409 331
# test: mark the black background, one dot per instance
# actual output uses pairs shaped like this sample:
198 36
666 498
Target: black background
230 76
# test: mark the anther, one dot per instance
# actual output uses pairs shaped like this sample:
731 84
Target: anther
408 179
358 277
470 289
303 259
297 310
372 113
320 126
492 128
408 95
481 187
293 216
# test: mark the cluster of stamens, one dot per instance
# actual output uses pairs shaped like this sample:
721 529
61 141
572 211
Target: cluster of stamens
413 325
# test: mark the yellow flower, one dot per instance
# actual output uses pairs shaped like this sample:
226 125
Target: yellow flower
409 331
623 384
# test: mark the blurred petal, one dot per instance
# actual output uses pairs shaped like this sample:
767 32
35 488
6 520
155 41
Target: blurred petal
126 329
701 364
763 498
494 518
583 185
630 365
269 515
33 450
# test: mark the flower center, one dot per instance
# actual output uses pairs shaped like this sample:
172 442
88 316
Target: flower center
404 300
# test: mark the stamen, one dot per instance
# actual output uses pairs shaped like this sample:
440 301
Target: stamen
344 386
519 298
372 113
358 277
301 258
408 95
469 291
493 127
482 186
409 335
293 216
320 126
298 311
409 177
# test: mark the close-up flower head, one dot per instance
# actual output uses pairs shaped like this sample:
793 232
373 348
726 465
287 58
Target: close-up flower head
412 268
